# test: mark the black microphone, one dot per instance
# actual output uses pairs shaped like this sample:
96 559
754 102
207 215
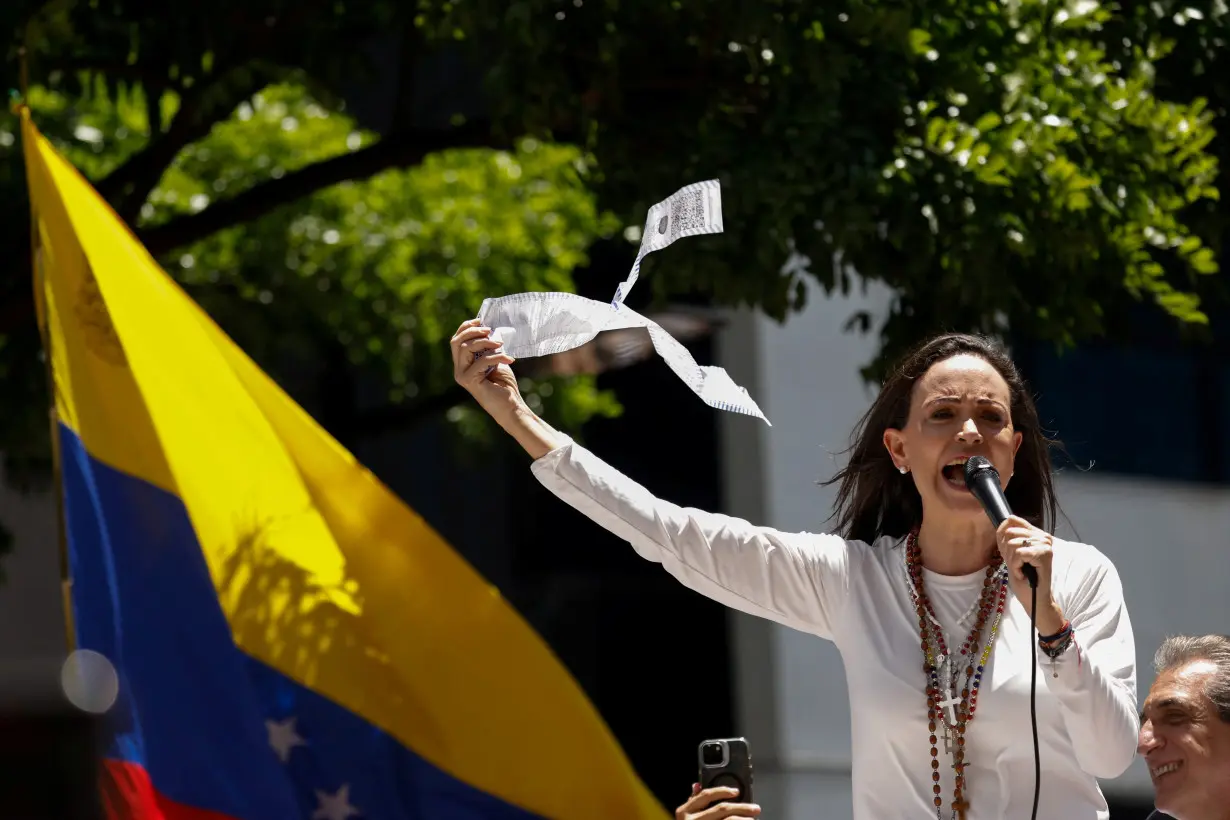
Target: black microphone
982 479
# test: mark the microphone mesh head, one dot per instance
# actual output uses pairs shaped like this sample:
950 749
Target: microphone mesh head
979 464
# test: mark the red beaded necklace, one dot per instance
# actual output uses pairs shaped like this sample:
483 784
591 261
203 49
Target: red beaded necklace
935 654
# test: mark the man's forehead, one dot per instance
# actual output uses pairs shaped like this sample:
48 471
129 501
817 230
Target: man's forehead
1183 685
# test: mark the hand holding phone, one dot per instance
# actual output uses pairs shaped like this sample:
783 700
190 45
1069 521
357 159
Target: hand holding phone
727 762
713 804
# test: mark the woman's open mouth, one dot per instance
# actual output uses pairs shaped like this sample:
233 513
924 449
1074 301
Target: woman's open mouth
954 472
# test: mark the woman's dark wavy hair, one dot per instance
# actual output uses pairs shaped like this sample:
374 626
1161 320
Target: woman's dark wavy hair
874 499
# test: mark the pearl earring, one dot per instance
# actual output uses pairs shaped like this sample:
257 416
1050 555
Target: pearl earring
904 470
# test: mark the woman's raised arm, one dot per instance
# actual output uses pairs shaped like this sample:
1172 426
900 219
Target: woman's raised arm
797 579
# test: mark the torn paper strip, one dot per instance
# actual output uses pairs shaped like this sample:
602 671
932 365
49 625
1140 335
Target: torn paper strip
542 324
692 210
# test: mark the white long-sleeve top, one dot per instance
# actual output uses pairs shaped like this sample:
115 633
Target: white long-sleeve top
857 596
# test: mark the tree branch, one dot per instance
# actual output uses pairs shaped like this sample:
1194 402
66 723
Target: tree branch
393 151
128 186
153 116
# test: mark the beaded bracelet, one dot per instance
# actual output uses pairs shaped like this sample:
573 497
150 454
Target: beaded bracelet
1054 649
1063 632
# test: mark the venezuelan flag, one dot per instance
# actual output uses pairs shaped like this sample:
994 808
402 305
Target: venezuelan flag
291 640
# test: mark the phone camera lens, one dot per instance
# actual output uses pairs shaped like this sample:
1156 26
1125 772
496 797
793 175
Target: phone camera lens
711 754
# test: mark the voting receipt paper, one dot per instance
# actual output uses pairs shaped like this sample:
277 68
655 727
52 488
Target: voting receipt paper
541 324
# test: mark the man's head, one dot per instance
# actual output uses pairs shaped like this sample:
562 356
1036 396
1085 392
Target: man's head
1185 728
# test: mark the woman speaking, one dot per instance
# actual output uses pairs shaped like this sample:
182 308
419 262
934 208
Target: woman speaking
925 599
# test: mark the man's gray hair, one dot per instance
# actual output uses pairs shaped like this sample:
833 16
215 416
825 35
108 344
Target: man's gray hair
1182 649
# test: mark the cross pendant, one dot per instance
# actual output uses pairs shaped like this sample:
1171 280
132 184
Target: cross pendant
949 746
960 807
951 705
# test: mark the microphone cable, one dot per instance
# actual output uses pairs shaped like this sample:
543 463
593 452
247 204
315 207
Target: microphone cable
983 481
1033 692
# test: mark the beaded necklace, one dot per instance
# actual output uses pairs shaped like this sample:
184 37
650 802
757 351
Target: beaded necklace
938 663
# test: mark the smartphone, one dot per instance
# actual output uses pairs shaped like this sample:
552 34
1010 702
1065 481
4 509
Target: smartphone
727 762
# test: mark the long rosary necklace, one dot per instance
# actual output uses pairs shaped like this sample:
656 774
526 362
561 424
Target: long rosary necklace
944 708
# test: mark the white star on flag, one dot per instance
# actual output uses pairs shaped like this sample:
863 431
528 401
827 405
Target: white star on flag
334 806
283 737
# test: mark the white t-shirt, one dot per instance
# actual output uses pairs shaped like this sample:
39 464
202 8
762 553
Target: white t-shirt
857 596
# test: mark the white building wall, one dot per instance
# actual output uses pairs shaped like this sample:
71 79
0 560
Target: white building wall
1168 540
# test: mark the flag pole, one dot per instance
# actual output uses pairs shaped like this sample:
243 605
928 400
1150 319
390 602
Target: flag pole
57 473
66 578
